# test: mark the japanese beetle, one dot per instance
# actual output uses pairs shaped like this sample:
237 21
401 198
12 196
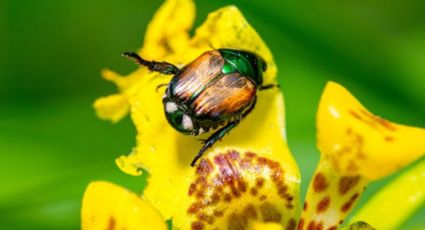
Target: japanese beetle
216 90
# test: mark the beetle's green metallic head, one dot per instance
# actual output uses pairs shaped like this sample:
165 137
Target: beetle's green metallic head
247 63
177 118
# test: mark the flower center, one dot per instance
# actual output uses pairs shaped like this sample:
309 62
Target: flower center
233 189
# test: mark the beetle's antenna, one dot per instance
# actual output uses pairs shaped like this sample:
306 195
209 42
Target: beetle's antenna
162 67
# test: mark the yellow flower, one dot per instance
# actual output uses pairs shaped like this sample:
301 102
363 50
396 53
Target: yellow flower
249 180
250 174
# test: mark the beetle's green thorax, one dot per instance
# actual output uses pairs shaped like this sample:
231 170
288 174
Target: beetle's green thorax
244 62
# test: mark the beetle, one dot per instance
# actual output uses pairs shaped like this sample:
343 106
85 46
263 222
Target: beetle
213 92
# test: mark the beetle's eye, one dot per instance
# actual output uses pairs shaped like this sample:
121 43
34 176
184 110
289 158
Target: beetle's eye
176 119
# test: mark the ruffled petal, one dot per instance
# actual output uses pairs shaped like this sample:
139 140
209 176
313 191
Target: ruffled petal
112 107
107 206
167 32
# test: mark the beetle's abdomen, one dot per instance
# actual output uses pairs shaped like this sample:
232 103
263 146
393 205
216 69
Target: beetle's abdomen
194 77
224 98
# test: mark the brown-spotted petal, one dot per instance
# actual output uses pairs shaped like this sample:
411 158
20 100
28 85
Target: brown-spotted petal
356 147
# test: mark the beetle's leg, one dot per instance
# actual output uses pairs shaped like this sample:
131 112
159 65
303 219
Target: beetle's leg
214 138
269 86
160 86
162 67
208 143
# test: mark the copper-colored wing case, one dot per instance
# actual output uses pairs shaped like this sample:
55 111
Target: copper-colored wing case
195 76
229 95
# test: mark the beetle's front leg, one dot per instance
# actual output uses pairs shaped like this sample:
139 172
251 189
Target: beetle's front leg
161 67
214 138
221 132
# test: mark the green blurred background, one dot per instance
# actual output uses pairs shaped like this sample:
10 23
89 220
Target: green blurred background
51 53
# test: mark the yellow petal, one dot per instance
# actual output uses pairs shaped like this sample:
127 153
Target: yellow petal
360 143
396 201
167 33
264 192
107 206
113 107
